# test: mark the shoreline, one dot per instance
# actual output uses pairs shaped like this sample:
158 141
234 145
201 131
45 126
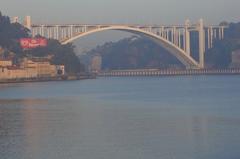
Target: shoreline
127 73
47 79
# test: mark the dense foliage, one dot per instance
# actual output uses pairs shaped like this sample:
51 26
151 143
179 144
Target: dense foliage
61 54
220 56
10 33
134 53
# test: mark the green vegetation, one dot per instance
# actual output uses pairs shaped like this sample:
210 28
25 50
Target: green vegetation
134 53
61 54
10 33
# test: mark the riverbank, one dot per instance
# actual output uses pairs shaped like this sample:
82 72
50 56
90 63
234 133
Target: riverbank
47 79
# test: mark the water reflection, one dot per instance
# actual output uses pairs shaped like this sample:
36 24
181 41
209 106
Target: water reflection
97 124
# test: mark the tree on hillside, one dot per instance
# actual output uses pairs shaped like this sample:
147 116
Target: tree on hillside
10 33
134 53
233 31
61 55
220 55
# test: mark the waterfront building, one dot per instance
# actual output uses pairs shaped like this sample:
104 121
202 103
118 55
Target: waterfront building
96 63
1 51
30 68
27 22
42 66
235 59
60 69
13 72
5 62
15 20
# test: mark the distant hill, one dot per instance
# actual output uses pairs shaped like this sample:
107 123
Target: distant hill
134 53
220 56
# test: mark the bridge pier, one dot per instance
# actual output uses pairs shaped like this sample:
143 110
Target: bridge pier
201 43
187 37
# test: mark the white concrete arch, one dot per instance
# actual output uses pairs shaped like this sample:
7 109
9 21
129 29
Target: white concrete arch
179 53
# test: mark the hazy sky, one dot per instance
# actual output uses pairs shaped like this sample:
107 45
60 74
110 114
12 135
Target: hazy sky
123 11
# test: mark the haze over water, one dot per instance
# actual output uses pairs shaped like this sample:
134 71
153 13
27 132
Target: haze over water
191 117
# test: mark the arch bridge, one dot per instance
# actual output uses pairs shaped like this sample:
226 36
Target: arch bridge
175 38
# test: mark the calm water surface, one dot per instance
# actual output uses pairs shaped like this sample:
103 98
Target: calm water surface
194 117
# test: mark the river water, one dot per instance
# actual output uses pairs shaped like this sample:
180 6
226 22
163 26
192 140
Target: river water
188 117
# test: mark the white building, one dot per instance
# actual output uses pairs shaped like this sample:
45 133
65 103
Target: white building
96 63
5 62
27 22
30 68
15 20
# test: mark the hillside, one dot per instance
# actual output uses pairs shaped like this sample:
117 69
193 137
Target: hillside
220 56
10 33
134 53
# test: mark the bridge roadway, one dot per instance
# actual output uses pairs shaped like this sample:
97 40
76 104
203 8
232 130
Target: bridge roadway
168 72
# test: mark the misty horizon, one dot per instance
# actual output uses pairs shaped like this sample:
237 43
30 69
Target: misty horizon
124 12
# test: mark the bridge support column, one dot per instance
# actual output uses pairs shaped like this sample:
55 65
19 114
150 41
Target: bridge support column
57 32
51 33
222 29
178 34
39 31
201 43
211 37
208 38
48 32
176 39
175 36
219 33
42 30
173 31
64 32
187 37
71 31
60 33
167 34
33 30
162 31
179 39
215 33
63 36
